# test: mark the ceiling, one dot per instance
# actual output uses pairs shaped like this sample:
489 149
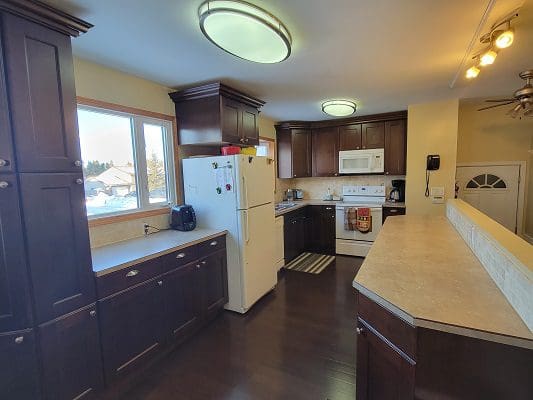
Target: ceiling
384 54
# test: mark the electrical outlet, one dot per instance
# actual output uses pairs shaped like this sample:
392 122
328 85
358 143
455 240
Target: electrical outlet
437 195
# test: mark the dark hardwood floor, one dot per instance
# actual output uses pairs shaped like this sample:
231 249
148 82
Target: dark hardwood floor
298 342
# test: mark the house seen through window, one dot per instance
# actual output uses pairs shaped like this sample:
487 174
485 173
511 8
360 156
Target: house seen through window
127 161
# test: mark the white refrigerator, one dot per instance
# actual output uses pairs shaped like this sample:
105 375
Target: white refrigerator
236 193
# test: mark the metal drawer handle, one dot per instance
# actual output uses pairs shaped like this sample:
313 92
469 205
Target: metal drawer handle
393 211
3 163
92 313
19 339
77 163
329 208
79 181
204 262
213 243
4 185
131 273
160 283
180 255
359 331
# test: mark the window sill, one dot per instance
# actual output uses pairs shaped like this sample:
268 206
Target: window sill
113 219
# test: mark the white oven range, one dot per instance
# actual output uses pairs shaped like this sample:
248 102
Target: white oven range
355 243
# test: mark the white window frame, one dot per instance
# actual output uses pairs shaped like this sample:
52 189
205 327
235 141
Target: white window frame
139 153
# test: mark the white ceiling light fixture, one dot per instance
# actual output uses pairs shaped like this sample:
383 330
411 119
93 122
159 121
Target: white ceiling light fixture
245 30
339 108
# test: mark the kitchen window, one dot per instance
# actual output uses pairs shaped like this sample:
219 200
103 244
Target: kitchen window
128 161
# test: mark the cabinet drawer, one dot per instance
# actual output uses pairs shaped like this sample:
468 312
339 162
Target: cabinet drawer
179 258
398 332
392 211
119 280
209 246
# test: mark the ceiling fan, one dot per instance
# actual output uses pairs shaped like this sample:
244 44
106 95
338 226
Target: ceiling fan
523 97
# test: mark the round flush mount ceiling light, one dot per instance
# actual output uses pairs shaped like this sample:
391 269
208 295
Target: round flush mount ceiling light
339 108
245 30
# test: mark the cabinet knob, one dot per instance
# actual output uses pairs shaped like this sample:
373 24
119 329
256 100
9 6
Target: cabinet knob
3 163
79 181
160 283
294 175
92 313
360 331
198 266
180 255
213 243
4 185
386 173
356 147
19 339
246 140
241 140
133 272
77 163
204 262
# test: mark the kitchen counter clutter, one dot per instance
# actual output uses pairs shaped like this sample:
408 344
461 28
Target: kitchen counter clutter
435 281
124 254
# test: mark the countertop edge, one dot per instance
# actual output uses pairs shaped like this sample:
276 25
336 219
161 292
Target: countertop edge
318 202
442 327
119 267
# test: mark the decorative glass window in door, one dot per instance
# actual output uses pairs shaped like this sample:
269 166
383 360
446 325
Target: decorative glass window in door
486 181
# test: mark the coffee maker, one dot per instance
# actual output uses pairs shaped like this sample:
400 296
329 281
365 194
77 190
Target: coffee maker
397 193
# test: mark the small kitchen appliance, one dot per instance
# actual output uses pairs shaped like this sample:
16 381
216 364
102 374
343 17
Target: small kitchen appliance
182 218
398 190
298 194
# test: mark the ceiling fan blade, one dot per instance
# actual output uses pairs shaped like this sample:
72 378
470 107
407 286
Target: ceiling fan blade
495 105
513 112
499 100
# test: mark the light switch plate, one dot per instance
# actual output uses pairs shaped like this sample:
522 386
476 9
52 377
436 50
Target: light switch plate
437 195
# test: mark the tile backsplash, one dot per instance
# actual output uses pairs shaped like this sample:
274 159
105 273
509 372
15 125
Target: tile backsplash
317 187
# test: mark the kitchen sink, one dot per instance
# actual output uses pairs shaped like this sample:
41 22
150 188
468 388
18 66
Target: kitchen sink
283 206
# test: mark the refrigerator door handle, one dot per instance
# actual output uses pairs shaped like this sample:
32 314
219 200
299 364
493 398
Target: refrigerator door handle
247 227
245 192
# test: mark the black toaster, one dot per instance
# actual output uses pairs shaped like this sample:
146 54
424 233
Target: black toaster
182 218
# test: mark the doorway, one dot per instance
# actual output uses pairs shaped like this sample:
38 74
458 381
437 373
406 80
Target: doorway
494 189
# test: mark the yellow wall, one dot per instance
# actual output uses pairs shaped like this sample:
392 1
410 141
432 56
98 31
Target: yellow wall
494 136
431 129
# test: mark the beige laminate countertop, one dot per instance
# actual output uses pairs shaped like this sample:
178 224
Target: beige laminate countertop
116 256
420 269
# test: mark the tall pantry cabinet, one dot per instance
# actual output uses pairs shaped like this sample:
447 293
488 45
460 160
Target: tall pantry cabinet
49 341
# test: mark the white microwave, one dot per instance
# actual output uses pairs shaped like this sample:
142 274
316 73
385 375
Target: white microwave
370 161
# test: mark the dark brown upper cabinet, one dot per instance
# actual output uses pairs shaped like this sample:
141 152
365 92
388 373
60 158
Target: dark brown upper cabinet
58 250
373 135
350 137
40 81
294 152
15 306
215 114
395 147
325 151
7 158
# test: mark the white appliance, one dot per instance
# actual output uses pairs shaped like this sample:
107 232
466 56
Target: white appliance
236 193
355 243
280 245
371 161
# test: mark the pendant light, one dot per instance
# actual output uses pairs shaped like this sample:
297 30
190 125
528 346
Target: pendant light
339 108
245 30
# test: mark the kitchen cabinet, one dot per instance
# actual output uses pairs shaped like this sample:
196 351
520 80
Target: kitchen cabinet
294 152
15 305
7 159
373 135
392 211
132 327
295 235
70 353
321 235
19 371
395 147
215 114
57 235
350 137
40 77
214 282
325 150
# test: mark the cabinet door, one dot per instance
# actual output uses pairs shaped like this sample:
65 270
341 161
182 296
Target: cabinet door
19 369
58 249
395 147
289 239
71 358
40 78
215 282
6 145
301 153
231 120
182 300
350 137
15 307
373 135
392 211
382 373
131 327
327 230
326 151
250 128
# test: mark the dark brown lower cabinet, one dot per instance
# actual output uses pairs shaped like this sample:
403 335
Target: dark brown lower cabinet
392 212
295 230
321 230
214 282
70 355
131 326
19 377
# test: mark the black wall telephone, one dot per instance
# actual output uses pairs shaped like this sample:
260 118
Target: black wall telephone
432 164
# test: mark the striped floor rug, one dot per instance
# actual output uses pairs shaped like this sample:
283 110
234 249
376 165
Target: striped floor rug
310 262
